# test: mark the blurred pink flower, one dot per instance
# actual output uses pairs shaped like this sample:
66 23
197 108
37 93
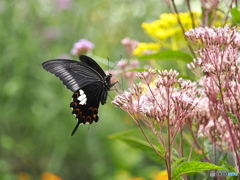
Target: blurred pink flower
82 46
127 66
63 4
51 33
129 45
122 64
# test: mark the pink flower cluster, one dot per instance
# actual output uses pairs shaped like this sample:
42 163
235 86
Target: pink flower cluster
161 97
218 114
219 60
220 52
209 107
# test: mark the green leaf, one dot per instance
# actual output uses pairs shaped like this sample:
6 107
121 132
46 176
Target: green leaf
192 167
201 156
232 178
135 138
161 149
222 159
135 69
235 15
168 55
177 162
233 118
228 166
175 154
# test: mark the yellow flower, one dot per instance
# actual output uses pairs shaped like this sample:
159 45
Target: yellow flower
137 178
24 176
144 48
162 175
49 176
167 30
168 24
219 19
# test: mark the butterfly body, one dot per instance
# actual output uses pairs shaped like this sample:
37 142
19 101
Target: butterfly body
87 81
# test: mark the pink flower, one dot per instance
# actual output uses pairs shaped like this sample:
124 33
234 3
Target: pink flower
122 64
154 102
82 46
219 59
129 45
214 37
127 66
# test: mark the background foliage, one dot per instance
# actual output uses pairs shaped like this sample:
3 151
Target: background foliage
36 120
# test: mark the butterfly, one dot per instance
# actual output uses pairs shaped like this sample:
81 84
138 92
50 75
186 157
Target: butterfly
87 81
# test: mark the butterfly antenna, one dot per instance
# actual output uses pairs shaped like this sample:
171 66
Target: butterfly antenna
108 64
116 63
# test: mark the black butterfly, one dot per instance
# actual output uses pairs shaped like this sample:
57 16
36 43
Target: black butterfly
87 81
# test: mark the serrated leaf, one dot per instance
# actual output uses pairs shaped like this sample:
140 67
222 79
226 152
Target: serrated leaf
177 162
191 167
201 156
168 55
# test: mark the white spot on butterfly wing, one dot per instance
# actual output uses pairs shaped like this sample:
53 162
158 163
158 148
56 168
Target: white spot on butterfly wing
82 97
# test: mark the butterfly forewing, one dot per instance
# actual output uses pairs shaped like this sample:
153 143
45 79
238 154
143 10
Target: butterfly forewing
89 83
91 63
74 74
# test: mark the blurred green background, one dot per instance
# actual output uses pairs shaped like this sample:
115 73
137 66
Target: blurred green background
35 117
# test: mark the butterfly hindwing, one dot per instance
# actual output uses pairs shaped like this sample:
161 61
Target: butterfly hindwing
85 105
